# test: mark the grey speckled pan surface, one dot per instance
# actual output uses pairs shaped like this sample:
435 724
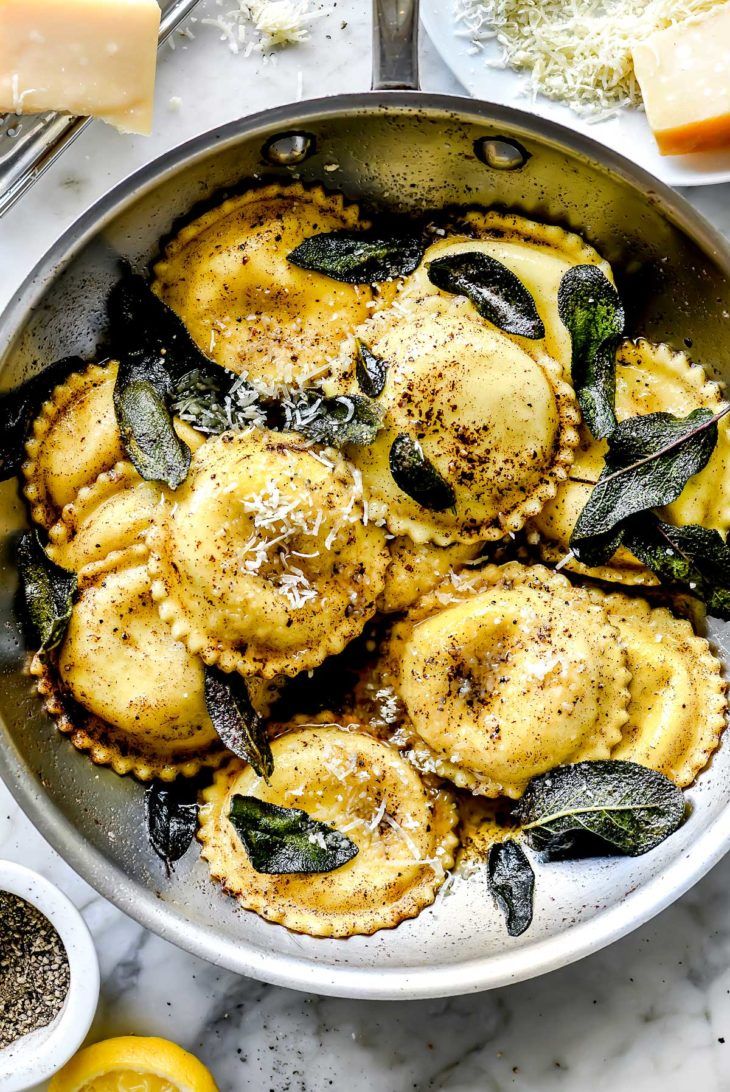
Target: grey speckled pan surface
407 151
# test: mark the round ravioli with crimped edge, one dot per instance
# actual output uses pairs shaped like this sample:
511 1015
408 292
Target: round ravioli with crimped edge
538 254
403 828
74 438
506 674
105 520
650 378
494 419
136 694
227 276
109 517
678 703
262 562
415 569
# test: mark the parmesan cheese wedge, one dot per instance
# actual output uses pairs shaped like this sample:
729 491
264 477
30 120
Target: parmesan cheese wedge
684 74
85 57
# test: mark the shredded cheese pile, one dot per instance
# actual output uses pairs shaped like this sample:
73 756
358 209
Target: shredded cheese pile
263 26
577 51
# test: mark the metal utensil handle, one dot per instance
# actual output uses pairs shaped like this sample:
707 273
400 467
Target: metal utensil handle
395 45
29 144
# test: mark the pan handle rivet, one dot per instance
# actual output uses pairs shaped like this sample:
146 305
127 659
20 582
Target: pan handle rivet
501 153
289 149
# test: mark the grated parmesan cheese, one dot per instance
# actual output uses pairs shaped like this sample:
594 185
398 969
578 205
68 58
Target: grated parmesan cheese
577 51
263 26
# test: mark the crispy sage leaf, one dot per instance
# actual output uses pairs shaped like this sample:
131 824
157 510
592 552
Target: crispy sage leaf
171 811
214 402
141 324
49 591
590 309
344 419
279 840
512 882
236 721
19 406
497 294
371 371
417 476
693 557
594 808
142 393
650 459
359 257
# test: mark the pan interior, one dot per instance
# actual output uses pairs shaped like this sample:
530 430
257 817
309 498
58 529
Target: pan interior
408 158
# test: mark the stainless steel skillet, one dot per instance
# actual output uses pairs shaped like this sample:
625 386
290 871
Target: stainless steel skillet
409 151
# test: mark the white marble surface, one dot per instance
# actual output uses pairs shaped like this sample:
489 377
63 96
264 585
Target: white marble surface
650 1013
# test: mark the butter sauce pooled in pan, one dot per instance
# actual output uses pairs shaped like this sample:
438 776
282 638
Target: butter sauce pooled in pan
296 557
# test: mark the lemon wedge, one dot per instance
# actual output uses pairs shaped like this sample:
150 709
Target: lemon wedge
132 1063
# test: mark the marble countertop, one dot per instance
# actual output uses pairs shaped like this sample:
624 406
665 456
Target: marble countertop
650 1013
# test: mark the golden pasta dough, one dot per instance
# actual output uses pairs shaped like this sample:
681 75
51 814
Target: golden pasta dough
227 276
505 675
403 828
538 254
677 706
261 561
649 379
141 688
416 569
494 419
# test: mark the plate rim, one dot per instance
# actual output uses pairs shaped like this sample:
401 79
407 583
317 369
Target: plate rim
444 44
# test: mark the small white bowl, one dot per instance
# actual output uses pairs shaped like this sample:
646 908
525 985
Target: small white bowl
36 1057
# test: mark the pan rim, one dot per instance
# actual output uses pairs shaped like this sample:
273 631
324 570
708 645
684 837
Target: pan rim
141 903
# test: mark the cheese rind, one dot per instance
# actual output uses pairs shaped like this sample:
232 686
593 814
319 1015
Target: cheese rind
84 57
684 74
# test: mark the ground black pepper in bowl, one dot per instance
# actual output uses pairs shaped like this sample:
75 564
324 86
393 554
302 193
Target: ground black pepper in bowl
34 970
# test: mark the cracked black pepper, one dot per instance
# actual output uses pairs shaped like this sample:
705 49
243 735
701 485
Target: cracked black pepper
34 970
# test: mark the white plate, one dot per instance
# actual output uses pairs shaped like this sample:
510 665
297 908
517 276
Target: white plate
627 133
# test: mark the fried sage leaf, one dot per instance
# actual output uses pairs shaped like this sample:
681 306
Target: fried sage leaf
335 422
49 591
141 324
171 812
650 459
691 556
214 402
142 395
512 882
359 257
497 294
19 406
590 309
236 721
280 841
371 371
594 808
417 476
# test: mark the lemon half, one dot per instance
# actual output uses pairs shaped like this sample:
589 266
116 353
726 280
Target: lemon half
132 1063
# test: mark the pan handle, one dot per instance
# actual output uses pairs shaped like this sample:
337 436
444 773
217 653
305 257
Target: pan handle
395 45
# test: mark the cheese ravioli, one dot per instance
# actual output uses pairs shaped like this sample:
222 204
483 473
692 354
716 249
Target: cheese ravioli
538 254
650 378
416 569
141 688
403 828
227 276
262 561
494 419
677 707
74 439
507 674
